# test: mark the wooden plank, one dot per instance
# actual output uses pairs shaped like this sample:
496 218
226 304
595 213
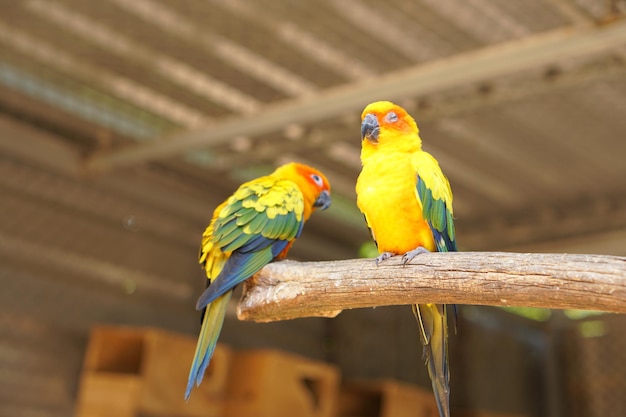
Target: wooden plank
462 69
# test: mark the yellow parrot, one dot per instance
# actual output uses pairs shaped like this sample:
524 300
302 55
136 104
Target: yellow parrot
407 203
253 227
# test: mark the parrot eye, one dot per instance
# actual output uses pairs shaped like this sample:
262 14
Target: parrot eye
317 179
391 117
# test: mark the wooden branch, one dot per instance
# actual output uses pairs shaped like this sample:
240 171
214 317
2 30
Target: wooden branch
288 289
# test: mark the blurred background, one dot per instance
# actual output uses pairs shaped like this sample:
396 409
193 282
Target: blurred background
124 123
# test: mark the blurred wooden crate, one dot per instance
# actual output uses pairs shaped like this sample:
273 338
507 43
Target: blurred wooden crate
143 371
269 383
385 398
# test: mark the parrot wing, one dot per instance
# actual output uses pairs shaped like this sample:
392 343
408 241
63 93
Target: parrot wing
434 195
251 229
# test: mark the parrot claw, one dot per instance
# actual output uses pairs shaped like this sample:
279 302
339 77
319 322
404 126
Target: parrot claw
408 257
383 256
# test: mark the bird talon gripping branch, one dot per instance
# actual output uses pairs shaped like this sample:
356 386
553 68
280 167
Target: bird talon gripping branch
383 257
408 257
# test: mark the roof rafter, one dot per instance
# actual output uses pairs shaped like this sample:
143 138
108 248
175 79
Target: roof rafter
471 67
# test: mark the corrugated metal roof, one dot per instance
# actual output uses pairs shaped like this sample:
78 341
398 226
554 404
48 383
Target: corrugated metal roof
104 76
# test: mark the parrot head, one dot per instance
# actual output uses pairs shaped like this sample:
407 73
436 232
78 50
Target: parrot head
312 183
384 123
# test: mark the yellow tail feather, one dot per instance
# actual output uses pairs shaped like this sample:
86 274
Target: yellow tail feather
433 323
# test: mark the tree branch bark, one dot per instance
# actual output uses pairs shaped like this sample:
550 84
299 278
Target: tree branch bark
288 289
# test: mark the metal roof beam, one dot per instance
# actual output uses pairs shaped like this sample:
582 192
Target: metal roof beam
462 69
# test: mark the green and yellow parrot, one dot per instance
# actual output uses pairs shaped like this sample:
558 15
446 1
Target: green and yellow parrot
253 227
407 203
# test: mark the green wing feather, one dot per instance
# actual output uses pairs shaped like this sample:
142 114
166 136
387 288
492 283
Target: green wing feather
435 197
266 206
254 226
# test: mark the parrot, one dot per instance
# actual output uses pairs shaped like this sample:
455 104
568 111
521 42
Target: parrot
407 203
254 226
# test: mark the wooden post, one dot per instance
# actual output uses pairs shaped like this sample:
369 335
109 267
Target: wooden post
288 289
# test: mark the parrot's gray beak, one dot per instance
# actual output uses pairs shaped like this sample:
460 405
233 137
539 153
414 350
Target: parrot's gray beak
370 128
323 201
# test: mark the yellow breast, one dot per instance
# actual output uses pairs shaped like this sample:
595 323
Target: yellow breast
386 194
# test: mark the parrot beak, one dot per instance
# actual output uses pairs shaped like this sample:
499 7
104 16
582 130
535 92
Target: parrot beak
323 201
370 128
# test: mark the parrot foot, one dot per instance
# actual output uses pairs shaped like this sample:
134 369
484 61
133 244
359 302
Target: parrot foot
408 257
383 256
